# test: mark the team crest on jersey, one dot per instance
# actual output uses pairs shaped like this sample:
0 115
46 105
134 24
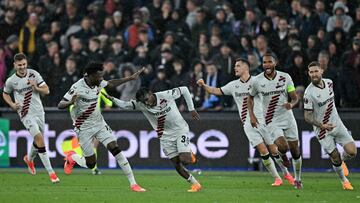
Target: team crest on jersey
280 84
16 83
318 96
163 103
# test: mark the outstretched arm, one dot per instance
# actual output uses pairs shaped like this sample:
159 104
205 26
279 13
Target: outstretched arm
64 103
186 93
126 105
116 82
294 100
208 89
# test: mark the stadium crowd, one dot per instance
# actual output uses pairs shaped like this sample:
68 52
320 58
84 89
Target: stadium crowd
181 41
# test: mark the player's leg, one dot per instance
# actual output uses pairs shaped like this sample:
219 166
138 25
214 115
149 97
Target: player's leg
257 138
336 162
95 170
292 136
282 145
179 153
35 125
344 138
279 161
106 137
269 163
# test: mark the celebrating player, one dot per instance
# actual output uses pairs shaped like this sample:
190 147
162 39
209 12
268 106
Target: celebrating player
239 89
274 87
320 111
89 122
27 86
161 111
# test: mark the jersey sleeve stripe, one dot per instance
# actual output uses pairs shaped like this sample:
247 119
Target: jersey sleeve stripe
133 105
40 83
221 91
308 109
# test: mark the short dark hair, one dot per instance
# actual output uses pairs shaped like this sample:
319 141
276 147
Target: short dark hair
244 60
140 94
271 54
314 63
19 57
93 67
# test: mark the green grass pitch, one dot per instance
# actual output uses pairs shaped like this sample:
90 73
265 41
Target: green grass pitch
16 185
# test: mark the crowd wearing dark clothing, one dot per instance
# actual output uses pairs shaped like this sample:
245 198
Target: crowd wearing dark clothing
181 41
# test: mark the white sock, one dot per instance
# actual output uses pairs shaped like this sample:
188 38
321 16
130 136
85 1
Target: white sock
192 180
33 152
79 160
279 162
345 156
270 166
125 166
46 162
340 172
297 168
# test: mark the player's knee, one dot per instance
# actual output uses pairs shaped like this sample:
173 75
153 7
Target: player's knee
352 153
295 153
335 158
185 159
90 164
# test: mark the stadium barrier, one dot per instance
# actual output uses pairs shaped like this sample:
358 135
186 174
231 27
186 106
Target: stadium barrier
217 139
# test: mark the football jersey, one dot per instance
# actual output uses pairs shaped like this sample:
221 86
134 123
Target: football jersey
165 117
85 113
239 90
321 102
274 94
29 100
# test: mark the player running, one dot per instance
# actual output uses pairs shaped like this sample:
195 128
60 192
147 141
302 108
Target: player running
274 87
161 111
320 111
89 122
239 89
27 85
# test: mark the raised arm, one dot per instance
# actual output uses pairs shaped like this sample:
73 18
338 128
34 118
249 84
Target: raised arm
116 82
208 89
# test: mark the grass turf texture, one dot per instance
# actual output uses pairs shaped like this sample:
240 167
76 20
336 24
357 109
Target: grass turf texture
16 185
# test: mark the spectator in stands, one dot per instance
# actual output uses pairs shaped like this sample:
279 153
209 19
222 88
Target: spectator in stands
225 61
309 22
11 48
132 31
220 21
119 22
213 79
339 18
330 72
66 79
160 83
196 73
320 10
356 26
200 25
118 52
191 7
313 48
78 53
28 36
8 25
50 68
128 90
94 51
298 70
3 68
349 81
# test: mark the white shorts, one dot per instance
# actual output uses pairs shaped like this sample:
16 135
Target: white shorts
339 135
257 135
289 131
174 148
85 137
34 124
